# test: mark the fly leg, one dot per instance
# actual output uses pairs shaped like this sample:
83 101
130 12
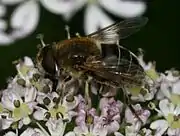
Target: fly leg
87 96
127 102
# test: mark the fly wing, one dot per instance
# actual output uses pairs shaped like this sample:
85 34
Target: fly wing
108 71
121 30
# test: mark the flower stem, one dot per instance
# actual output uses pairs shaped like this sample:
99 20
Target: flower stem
42 129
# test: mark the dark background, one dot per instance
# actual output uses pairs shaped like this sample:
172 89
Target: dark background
158 38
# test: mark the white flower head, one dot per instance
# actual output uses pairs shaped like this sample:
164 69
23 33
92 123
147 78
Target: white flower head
169 87
20 108
27 132
56 127
171 114
94 16
56 109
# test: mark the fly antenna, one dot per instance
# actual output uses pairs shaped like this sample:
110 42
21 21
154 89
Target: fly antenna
41 37
78 35
67 31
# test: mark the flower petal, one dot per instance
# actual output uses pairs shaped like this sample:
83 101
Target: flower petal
2 10
55 127
5 38
10 133
30 94
6 123
95 19
11 2
118 134
173 132
124 8
39 113
24 19
28 61
64 7
176 88
8 99
71 133
160 126
26 120
166 107
3 25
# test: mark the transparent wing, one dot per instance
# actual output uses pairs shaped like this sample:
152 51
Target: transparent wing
108 71
121 30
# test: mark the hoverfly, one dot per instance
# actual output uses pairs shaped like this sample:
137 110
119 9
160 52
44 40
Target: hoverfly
82 57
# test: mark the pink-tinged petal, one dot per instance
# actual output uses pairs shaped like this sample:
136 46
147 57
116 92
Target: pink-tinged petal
24 19
113 127
67 8
98 130
81 130
124 8
30 94
160 126
103 103
95 19
31 106
11 2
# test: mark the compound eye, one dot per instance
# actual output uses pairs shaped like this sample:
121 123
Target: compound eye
48 62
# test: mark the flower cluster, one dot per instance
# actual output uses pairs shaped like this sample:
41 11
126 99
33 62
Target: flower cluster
29 106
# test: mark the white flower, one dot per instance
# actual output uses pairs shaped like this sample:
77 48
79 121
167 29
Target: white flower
20 108
54 108
135 123
56 127
23 21
94 16
25 17
92 130
172 120
27 132
5 119
110 114
169 87
140 97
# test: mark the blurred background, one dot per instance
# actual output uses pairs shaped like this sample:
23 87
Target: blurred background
22 20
